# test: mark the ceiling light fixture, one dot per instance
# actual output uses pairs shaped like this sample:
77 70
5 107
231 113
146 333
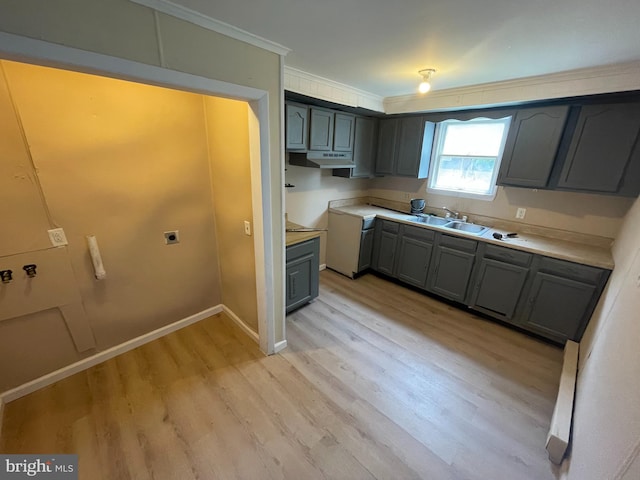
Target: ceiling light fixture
425 85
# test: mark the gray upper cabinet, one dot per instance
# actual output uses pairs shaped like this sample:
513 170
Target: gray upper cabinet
387 138
414 255
603 145
321 136
531 146
404 147
297 126
344 131
364 149
451 267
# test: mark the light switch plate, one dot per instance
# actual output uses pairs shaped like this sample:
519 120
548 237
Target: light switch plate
247 227
520 213
57 237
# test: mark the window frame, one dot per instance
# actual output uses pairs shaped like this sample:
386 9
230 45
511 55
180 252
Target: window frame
436 154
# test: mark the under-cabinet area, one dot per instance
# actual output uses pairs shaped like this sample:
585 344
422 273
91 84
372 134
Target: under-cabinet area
546 286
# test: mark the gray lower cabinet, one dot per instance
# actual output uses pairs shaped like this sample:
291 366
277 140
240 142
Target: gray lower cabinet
547 296
531 146
366 249
385 247
500 278
414 255
451 267
302 273
561 298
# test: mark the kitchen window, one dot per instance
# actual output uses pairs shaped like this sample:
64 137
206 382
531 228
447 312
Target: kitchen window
466 157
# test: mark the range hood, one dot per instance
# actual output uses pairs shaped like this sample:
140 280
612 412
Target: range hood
322 159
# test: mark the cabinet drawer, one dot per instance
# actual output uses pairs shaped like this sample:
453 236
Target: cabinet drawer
368 223
418 233
463 244
304 248
508 255
572 270
391 227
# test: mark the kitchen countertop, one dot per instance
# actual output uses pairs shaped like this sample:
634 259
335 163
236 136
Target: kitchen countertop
593 255
293 238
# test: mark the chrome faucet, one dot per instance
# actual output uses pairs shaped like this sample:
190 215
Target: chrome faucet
453 214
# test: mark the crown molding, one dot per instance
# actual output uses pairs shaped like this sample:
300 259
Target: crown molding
319 87
588 81
204 21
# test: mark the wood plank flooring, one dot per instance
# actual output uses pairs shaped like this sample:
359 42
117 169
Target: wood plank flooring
378 382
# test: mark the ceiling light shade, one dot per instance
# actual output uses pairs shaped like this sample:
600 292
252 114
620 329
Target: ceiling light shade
425 85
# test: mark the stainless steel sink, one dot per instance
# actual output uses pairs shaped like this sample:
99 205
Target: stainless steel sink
432 220
467 227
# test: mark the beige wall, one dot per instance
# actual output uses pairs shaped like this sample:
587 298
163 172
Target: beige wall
125 162
126 30
606 424
307 203
576 212
228 134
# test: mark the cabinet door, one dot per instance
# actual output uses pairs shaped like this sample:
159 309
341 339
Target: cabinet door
498 287
413 261
299 288
531 146
450 272
385 158
344 125
601 147
387 253
366 249
321 125
409 146
558 307
297 126
364 147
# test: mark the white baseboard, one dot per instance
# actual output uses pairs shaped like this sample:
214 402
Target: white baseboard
280 346
323 266
100 357
560 428
238 321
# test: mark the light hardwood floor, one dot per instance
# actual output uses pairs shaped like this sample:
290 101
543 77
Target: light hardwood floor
378 382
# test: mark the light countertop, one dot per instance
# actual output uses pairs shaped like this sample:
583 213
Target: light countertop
298 237
593 255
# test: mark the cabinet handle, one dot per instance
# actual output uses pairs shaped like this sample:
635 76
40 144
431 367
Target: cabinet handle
293 286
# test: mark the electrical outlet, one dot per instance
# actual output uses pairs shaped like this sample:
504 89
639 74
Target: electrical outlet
247 227
57 237
407 195
172 237
520 213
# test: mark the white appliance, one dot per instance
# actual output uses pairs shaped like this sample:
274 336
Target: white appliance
343 242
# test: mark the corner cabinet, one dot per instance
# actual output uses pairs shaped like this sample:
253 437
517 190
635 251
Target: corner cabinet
302 273
404 147
561 298
531 146
603 155
364 149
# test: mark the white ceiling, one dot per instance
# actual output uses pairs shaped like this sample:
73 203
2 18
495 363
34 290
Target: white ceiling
379 45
